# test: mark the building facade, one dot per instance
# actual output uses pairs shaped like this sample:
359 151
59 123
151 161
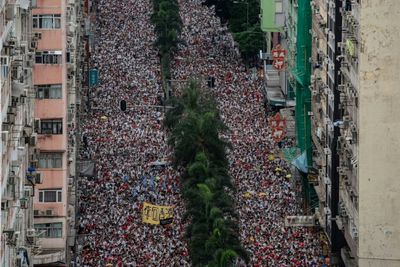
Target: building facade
327 36
17 178
56 81
291 40
355 129
272 14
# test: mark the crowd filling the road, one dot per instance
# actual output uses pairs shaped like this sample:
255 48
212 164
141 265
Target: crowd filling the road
130 150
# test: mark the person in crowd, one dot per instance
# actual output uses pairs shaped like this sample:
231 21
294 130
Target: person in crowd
125 145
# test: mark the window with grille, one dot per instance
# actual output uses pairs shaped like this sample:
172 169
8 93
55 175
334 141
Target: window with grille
48 91
48 57
50 195
46 21
49 230
53 126
4 67
48 160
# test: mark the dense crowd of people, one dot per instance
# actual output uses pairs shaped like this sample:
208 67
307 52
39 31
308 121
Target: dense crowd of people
129 148
265 193
131 154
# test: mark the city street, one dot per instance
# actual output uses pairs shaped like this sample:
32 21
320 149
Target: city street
130 148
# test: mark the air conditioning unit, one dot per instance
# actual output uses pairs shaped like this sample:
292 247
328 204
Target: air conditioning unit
28 64
28 191
38 178
33 157
327 151
346 118
353 127
37 126
33 140
4 136
314 92
354 232
11 118
33 45
23 203
327 211
5 205
11 109
36 151
34 164
342 171
30 236
327 181
37 35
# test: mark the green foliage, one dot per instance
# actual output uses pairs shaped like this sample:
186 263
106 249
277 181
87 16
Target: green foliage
167 25
243 20
195 126
250 41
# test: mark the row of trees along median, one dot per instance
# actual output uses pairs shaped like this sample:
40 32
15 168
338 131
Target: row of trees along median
243 20
167 25
194 126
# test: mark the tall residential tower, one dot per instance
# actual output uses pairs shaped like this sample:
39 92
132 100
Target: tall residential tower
356 130
56 83
17 177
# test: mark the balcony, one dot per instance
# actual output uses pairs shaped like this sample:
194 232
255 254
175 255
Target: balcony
49 256
347 258
319 24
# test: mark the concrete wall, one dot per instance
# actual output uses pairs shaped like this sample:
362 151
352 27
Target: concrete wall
379 143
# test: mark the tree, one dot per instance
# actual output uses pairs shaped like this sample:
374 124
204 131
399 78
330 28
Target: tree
250 41
194 132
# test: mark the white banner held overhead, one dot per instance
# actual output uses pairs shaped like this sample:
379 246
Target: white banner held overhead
303 221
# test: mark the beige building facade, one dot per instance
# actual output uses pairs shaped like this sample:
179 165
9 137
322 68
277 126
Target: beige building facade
367 36
17 178
379 134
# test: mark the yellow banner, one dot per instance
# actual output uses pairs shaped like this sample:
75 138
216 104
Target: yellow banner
152 214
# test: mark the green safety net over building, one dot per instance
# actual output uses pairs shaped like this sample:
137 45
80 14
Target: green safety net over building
302 73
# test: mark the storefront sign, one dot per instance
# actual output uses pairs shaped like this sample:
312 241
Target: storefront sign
278 55
278 126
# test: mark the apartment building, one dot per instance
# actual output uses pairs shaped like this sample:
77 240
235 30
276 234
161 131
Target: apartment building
354 128
272 17
291 8
326 37
17 177
56 83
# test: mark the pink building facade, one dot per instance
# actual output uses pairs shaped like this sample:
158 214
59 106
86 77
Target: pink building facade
56 22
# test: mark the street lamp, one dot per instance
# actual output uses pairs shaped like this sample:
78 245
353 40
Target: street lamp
247 10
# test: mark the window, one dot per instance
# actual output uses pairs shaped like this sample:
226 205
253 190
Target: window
53 126
48 91
50 195
48 160
49 230
51 21
4 67
278 6
48 57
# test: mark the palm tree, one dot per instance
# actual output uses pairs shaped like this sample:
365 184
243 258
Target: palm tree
195 128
